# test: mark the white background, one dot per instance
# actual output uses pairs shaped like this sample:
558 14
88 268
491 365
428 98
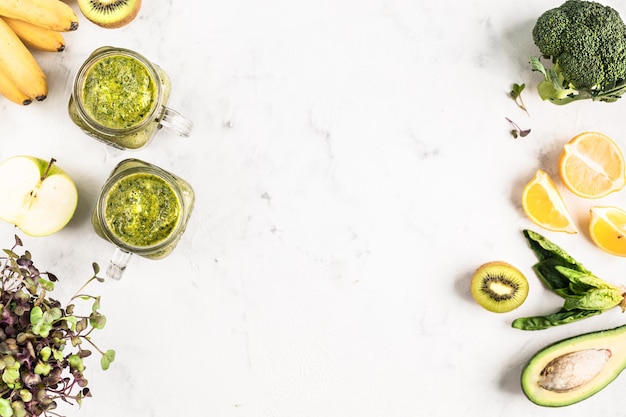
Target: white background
352 166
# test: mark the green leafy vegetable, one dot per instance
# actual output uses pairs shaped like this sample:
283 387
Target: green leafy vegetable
585 42
41 340
516 95
584 294
555 319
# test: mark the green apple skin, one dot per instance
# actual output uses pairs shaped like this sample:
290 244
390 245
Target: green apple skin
36 195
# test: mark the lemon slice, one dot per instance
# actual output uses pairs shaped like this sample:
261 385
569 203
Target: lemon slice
544 205
607 228
591 165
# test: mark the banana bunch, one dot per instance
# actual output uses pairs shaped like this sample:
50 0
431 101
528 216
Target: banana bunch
27 25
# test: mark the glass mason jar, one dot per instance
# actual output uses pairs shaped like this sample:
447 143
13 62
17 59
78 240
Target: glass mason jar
119 98
142 209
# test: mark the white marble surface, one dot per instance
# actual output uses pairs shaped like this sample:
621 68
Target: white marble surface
352 166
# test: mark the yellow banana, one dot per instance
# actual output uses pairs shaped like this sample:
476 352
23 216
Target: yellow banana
20 66
36 37
50 14
10 91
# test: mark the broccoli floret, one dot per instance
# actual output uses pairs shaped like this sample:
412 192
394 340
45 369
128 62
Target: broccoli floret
586 44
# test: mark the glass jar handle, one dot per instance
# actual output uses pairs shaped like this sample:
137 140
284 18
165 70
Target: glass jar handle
176 122
118 263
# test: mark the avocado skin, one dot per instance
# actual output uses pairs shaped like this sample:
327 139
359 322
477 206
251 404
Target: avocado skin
611 339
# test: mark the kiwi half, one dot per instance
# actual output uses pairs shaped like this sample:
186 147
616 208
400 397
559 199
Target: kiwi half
499 287
110 13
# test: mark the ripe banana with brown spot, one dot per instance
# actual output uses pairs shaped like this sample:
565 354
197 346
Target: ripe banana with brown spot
9 90
20 66
50 14
36 37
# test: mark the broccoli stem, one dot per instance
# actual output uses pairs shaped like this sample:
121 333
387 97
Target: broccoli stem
553 88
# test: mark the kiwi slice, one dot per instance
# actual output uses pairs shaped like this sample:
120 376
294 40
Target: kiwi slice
499 287
110 13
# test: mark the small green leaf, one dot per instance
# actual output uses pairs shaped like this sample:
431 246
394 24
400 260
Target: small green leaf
9 361
97 320
5 408
42 328
536 65
76 362
26 395
45 284
24 337
45 353
36 315
55 314
107 358
42 368
40 321
18 408
11 376
81 325
96 304
57 354
83 353
516 90
11 253
71 320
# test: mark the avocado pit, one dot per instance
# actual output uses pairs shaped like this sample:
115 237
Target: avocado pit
573 370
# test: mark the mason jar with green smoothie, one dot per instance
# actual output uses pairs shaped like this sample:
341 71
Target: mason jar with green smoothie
142 209
120 98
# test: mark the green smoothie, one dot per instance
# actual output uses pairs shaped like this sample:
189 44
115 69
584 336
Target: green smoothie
120 98
142 210
119 92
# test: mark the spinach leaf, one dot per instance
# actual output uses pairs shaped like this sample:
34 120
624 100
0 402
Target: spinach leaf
548 273
544 249
584 293
583 281
598 299
551 320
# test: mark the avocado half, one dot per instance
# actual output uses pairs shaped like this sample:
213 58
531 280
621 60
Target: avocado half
576 368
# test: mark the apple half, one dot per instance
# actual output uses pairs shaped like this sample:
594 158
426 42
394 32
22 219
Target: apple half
36 195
